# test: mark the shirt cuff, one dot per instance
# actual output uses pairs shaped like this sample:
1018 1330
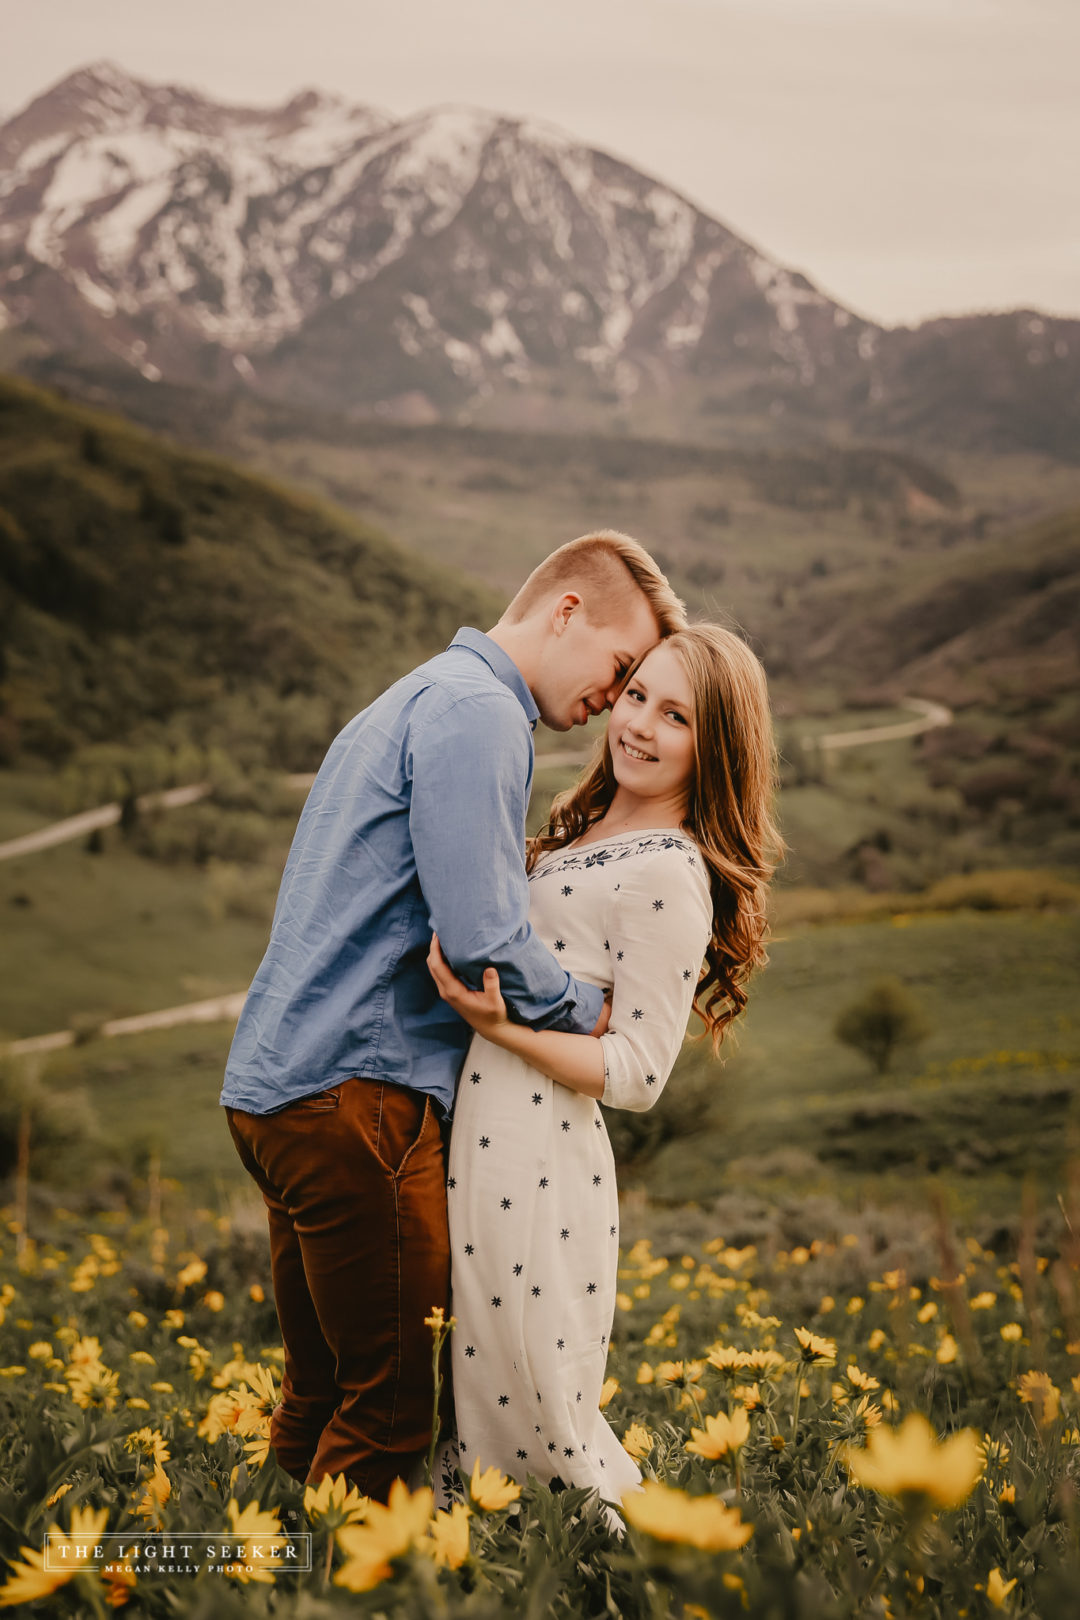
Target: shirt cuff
583 1017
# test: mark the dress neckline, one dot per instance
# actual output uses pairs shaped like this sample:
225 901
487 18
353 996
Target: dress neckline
630 832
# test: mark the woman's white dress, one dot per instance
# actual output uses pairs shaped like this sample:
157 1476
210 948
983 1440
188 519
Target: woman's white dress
534 1217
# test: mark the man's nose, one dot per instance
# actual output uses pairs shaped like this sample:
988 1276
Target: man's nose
597 705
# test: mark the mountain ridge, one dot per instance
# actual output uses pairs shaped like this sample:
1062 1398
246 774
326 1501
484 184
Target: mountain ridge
466 265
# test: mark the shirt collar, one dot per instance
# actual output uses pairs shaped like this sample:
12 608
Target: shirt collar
501 665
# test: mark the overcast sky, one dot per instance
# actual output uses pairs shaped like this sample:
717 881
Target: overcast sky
913 157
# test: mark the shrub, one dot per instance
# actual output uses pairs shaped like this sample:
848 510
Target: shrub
883 1019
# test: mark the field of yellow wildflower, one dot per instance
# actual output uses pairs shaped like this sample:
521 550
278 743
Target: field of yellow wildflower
819 1437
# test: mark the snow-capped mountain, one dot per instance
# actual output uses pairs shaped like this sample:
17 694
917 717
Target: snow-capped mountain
329 253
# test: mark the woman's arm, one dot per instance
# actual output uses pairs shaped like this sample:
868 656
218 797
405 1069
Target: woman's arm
575 1061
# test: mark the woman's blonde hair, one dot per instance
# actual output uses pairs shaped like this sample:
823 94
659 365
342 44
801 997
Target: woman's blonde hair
729 810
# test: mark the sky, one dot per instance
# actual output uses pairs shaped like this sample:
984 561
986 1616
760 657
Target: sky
912 157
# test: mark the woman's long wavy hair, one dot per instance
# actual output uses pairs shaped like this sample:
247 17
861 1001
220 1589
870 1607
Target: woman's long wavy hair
729 810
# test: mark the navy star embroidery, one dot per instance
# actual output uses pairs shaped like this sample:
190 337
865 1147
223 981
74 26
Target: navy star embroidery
567 889
579 1394
565 1233
560 944
603 1338
611 1231
469 1249
691 860
551 1445
522 1454
618 956
535 1290
566 1124
452 1182
518 1269
560 1344
470 1349
496 1301
607 945
590 1289
543 1181
568 1451
475 1078
596 1180
506 1203
485 1141
504 1400
538 1429
686 973
598 1122
658 905
637 1013
462 1446
538 1097
650 1079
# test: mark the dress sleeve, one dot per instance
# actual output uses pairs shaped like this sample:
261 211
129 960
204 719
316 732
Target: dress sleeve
660 926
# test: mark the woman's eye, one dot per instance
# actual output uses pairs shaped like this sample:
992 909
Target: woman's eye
634 692
675 715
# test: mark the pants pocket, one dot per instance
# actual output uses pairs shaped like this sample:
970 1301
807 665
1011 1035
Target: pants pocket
401 1121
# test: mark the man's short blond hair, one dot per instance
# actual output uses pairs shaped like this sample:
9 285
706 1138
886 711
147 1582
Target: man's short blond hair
604 568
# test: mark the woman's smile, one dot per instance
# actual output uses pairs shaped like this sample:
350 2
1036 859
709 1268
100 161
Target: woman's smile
634 752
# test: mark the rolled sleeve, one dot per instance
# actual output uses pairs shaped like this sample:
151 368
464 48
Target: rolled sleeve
471 771
659 929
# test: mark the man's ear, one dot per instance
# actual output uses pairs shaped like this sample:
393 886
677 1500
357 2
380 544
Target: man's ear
563 611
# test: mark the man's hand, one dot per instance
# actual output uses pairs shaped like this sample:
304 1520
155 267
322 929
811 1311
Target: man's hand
483 1010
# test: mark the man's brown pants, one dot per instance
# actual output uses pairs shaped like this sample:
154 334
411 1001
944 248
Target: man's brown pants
355 1188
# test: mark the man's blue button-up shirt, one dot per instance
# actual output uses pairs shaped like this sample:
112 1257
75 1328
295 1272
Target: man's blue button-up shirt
415 823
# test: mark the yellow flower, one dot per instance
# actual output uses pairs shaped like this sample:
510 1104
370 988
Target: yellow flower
726 1358
91 1384
998 1588
173 1319
927 1312
388 1533
720 1435
868 1412
909 1461
252 1525
1007 1493
696 1521
435 1320
624 1302
491 1489
214 1300
766 1363
610 1389
70 1550
450 1536
984 1301
876 1339
334 1502
1037 1390
61 1490
1012 1333
192 1273
637 1441
947 1350
821 1352
257 1293
149 1441
854 1305
860 1380
142 1358
137 1319
157 1493
41 1350
748 1394
221 1417
645 1374
162 1387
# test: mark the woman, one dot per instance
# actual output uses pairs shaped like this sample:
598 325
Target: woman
659 857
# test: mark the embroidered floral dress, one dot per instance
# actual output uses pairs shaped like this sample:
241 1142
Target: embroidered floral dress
534 1218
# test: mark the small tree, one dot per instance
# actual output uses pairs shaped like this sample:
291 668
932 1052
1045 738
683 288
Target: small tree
883 1019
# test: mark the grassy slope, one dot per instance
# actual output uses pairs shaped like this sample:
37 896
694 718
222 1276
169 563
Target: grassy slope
987 1100
147 592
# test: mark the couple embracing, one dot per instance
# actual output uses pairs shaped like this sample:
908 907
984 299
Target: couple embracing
558 977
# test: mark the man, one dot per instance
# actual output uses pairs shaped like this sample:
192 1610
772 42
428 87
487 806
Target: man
345 1058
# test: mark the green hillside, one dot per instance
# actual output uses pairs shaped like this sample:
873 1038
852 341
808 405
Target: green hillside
154 597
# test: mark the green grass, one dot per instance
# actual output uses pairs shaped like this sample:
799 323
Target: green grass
986 1100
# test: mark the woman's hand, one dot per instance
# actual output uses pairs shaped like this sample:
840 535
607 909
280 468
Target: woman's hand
484 1010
